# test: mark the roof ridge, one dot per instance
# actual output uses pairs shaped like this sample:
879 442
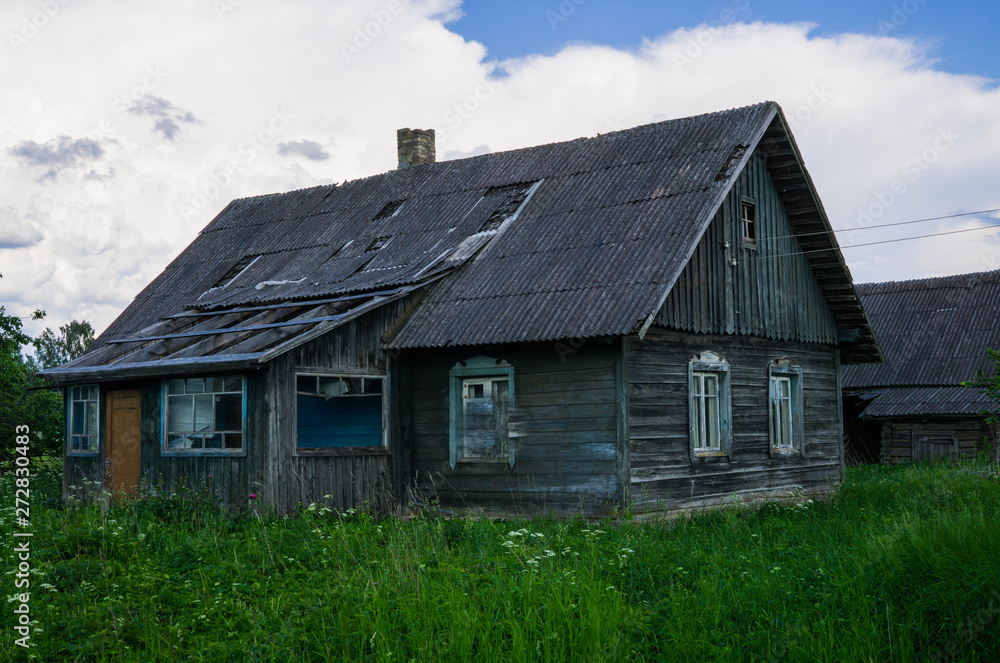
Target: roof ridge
932 282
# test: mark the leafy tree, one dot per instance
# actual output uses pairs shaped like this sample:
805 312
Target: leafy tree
72 341
22 401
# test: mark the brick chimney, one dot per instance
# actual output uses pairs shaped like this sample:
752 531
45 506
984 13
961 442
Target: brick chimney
414 147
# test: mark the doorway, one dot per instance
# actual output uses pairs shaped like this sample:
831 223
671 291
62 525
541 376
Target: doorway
121 451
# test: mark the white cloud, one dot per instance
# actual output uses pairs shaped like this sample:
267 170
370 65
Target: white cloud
265 75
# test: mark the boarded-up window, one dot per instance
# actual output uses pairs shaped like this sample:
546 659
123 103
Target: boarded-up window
83 419
481 397
336 412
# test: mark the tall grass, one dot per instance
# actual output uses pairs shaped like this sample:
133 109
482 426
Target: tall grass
901 564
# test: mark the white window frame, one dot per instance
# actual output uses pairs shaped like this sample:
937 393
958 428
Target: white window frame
784 370
165 399
702 368
340 374
476 371
73 403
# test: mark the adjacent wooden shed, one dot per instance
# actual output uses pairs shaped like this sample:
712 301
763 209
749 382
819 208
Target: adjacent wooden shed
934 333
653 318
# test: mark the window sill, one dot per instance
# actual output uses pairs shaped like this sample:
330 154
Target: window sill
203 453
785 451
340 451
82 454
504 460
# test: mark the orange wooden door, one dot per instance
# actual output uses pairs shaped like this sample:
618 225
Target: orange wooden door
122 438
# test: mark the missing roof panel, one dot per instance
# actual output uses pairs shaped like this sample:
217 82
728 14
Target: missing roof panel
241 265
388 210
513 196
379 243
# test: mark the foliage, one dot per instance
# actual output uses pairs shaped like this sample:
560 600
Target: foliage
899 565
989 384
20 403
72 341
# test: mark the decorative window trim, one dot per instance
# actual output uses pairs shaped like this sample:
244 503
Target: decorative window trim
786 368
751 240
482 367
711 363
339 451
94 437
201 453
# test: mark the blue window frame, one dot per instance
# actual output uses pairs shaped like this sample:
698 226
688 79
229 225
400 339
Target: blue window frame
83 420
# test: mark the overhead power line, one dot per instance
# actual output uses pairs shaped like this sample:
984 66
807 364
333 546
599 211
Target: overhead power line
890 225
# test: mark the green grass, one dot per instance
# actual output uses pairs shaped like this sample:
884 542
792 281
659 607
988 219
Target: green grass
902 564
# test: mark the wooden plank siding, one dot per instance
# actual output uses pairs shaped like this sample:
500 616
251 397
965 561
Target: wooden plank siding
771 292
898 436
662 474
370 481
564 425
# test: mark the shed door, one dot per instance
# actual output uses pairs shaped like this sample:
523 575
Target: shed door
121 450
929 446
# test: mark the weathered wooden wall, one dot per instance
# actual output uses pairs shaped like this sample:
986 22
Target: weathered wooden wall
898 436
662 474
370 480
771 292
565 430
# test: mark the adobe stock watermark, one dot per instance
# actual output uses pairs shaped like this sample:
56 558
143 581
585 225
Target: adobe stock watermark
706 36
33 24
901 13
818 96
912 170
224 174
562 12
225 7
971 629
22 536
364 35
153 77
464 109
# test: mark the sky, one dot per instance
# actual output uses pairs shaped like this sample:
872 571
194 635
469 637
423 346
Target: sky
125 127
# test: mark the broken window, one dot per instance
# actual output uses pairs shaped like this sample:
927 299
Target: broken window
748 222
204 415
785 406
482 390
83 420
709 405
338 411
512 197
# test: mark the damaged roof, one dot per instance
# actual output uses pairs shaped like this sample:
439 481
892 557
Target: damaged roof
577 239
934 334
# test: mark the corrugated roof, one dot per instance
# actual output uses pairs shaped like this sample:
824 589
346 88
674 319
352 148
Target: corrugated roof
934 333
926 401
593 236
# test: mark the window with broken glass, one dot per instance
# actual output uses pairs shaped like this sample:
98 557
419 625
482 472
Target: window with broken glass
84 421
204 415
482 390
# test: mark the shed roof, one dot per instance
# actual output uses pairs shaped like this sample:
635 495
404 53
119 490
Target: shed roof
577 239
934 334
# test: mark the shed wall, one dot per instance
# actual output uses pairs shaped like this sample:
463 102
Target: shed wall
899 435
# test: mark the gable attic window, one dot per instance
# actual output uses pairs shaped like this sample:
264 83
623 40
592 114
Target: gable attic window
480 395
83 420
513 196
338 414
709 406
204 416
748 222
785 414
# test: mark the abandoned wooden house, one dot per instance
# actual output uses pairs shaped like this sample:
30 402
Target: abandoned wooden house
655 316
934 333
